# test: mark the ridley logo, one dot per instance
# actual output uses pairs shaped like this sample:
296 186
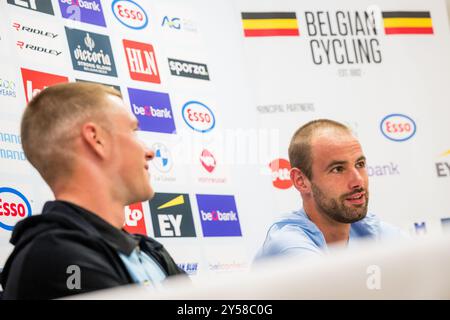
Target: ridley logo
14 207
398 127
198 116
130 14
280 173
208 161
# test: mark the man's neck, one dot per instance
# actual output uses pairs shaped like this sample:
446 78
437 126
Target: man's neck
333 231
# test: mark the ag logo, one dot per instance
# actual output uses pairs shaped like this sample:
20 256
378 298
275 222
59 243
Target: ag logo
398 127
208 161
280 173
130 14
172 215
198 116
163 158
13 208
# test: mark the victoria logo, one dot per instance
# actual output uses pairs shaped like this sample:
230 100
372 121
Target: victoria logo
280 173
398 127
14 207
208 161
130 14
198 116
91 52
163 158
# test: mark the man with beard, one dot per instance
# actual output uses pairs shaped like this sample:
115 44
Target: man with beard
329 171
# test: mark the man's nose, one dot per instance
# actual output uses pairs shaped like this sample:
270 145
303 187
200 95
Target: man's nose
357 180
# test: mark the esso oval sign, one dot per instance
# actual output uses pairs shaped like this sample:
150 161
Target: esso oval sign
398 127
198 116
130 14
13 208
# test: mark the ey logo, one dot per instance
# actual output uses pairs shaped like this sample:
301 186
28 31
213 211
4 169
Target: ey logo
172 215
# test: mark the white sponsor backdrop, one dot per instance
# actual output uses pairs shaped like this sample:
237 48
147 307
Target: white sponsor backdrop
260 90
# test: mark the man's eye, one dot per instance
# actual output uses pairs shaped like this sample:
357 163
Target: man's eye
337 169
361 164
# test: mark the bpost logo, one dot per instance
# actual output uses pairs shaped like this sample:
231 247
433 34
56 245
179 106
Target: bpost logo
35 81
163 158
91 52
7 88
188 69
14 207
130 14
208 161
443 168
153 110
198 116
280 169
134 219
88 11
141 61
44 6
398 127
172 215
218 215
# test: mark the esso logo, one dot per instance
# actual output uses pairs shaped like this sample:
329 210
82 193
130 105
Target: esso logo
280 173
398 127
133 216
130 14
13 208
198 116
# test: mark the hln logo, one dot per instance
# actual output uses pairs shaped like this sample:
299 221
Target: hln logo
141 61
172 215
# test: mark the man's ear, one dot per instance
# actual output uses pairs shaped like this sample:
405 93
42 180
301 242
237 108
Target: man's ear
300 181
94 137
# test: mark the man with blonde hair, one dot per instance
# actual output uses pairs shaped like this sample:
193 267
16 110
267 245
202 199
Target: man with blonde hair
83 141
329 171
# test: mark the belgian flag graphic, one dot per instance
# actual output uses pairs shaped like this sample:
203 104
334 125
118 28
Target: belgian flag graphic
270 24
407 22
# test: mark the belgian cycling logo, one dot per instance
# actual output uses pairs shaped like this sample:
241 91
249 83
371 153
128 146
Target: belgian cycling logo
91 52
87 11
14 206
44 6
172 215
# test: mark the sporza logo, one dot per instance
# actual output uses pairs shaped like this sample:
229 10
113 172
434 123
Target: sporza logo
14 207
398 127
198 116
130 14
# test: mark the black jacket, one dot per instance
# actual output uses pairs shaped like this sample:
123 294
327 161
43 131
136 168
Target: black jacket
64 235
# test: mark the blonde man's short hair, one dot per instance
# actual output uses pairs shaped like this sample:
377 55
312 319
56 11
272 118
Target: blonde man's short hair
52 120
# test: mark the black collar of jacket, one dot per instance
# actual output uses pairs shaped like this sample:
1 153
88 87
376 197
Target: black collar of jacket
118 239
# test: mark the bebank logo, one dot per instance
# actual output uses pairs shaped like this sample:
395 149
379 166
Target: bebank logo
153 110
13 208
172 215
88 11
398 127
141 61
208 161
134 219
198 116
35 81
163 158
130 14
280 173
218 215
